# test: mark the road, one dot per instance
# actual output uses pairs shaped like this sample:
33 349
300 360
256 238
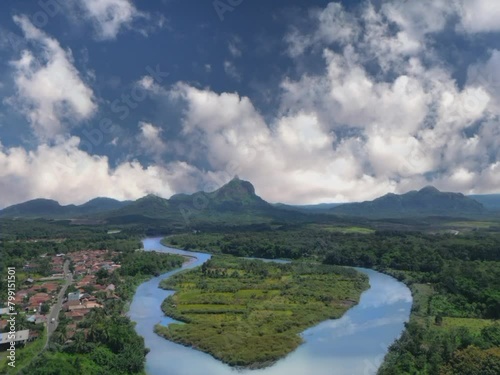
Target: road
56 308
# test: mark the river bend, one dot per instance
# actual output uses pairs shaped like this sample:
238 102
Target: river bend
352 345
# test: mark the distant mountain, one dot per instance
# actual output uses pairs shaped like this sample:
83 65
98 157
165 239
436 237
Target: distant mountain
317 208
101 205
237 203
48 208
234 202
490 201
37 208
149 206
426 202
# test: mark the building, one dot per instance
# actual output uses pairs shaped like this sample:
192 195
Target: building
21 336
75 296
37 319
39 298
77 315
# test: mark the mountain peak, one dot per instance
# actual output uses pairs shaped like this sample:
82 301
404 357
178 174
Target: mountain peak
429 189
240 187
151 199
236 195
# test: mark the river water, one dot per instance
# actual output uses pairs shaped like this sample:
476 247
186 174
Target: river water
354 344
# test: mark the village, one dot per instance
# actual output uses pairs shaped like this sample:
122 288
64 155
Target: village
74 286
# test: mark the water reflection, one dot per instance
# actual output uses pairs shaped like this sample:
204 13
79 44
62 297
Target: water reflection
354 344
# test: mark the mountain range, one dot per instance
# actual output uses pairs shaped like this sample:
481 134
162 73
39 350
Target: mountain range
490 201
428 201
52 209
238 199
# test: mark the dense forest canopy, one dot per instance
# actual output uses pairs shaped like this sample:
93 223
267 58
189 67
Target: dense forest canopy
459 269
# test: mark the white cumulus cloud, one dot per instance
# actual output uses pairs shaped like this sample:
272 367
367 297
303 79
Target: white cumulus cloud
150 139
386 114
67 174
109 17
50 91
352 133
479 16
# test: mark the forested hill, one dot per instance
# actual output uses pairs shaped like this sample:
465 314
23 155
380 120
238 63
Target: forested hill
490 201
47 208
234 203
428 201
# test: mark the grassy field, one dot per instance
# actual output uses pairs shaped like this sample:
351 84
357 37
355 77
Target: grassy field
421 299
423 309
249 313
472 224
474 325
463 226
344 229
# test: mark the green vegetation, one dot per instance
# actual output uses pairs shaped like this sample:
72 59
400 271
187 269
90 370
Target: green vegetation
473 325
105 342
454 275
342 229
472 224
139 266
455 280
427 349
101 361
439 339
465 269
250 313
110 346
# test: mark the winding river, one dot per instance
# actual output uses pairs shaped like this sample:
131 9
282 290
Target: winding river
354 344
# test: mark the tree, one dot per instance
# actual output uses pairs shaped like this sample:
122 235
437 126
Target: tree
490 336
474 361
102 275
438 320
45 308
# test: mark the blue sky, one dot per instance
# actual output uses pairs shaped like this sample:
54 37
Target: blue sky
312 101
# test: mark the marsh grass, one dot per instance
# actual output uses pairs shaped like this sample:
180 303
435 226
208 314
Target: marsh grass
248 313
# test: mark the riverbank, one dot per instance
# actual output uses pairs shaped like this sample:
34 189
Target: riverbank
106 330
166 241
355 343
456 345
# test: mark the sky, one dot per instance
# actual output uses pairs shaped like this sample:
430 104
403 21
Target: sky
310 100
